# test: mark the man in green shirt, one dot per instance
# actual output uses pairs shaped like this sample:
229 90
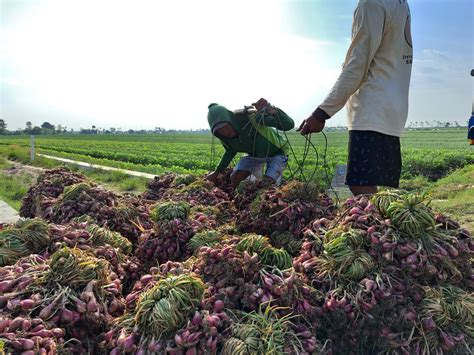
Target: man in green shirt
253 131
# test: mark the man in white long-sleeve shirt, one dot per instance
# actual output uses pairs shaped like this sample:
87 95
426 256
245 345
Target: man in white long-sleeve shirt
374 83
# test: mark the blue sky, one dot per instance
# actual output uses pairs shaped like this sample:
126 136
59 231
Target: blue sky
144 63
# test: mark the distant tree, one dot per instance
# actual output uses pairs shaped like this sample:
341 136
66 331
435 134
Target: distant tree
47 125
447 125
112 130
36 130
29 125
59 129
131 131
3 127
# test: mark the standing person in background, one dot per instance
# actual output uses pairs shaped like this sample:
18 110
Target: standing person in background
252 131
470 130
470 125
374 82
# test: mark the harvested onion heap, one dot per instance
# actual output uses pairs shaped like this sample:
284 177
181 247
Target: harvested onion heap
380 275
193 190
160 310
30 336
40 197
287 208
248 272
124 214
69 290
379 268
265 332
101 243
85 235
175 224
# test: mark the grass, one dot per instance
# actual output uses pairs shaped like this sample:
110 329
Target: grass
14 188
416 183
117 181
22 155
454 196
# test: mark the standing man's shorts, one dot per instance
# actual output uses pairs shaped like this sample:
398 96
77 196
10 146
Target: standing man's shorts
374 159
274 166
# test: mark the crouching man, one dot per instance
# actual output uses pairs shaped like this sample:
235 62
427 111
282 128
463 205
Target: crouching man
253 130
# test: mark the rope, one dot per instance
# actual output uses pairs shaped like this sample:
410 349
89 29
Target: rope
309 143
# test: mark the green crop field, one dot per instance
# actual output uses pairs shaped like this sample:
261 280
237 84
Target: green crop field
430 154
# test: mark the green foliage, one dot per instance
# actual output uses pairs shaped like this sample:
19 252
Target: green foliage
204 239
27 236
263 332
13 189
170 210
431 154
167 305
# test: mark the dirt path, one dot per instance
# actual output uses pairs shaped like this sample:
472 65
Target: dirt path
7 213
18 168
101 167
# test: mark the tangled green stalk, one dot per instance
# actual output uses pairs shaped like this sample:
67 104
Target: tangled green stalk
262 332
101 236
449 306
72 192
278 258
345 256
204 239
27 236
410 215
383 199
253 243
165 307
300 191
75 268
183 179
170 210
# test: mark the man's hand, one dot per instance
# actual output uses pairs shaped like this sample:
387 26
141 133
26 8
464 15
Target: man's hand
213 176
262 104
311 125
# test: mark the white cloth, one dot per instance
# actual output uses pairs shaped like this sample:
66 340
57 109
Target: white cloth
375 78
219 125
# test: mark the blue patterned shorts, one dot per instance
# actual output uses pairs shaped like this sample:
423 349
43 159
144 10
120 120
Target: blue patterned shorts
374 159
274 166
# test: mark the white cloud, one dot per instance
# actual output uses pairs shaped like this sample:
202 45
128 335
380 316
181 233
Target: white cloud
147 63
441 86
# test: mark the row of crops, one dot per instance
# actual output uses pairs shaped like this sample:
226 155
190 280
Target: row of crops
429 154
189 267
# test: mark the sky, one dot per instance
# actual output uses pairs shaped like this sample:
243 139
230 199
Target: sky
140 64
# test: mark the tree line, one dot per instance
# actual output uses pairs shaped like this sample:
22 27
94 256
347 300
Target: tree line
47 128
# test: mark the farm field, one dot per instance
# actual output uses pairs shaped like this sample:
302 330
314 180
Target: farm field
183 266
430 154
189 267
